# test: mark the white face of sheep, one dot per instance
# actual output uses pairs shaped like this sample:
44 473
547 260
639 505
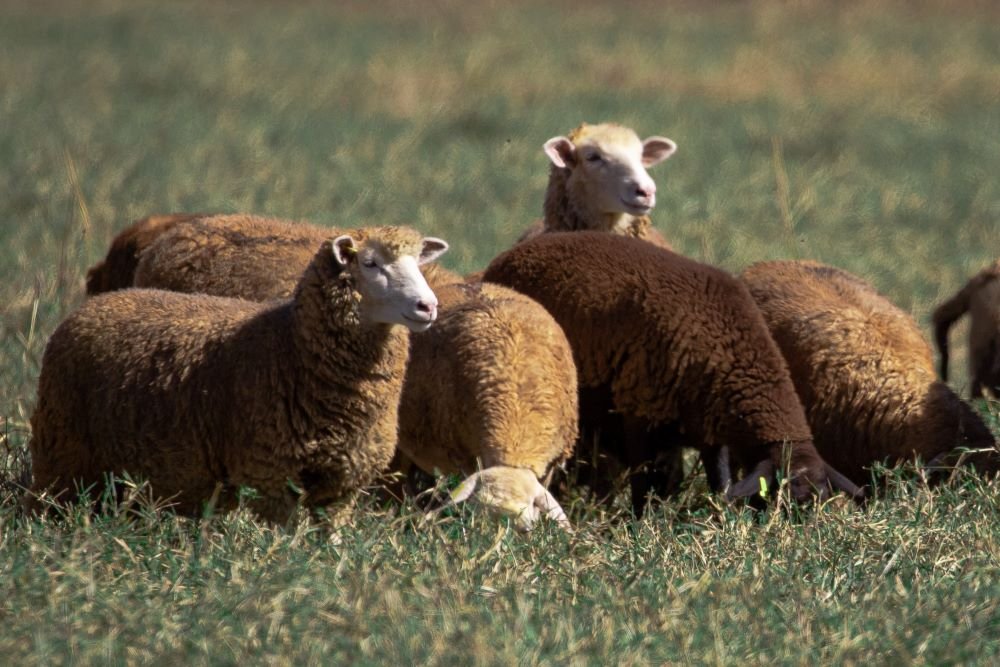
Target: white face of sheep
609 162
512 492
393 290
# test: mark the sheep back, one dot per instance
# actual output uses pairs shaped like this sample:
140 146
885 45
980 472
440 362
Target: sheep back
491 383
672 340
241 256
117 269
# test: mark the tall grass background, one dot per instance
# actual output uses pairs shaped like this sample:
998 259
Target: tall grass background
864 134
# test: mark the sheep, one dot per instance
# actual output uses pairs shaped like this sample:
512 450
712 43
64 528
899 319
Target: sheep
678 348
491 384
862 369
117 270
502 490
202 395
598 181
981 299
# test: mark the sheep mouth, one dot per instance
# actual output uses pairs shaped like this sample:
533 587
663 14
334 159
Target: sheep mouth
639 209
419 322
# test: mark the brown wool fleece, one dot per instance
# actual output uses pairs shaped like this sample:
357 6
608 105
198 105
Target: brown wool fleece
980 298
503 345
503 389
862 368
117 270
192 391
242 256
669 340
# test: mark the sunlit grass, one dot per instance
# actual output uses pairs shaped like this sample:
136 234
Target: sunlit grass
864 134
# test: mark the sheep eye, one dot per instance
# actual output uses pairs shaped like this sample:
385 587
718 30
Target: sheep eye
594 157
370 263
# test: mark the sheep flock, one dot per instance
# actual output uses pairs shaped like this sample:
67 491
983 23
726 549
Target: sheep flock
218 357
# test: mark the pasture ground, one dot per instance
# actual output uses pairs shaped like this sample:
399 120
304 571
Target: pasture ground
864 134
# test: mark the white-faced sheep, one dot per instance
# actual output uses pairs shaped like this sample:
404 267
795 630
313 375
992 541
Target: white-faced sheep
598 182
862 369
203 395
672 345
980 298
492 384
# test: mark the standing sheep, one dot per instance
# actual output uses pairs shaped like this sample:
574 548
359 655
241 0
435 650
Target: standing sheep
676 347
981 299
862 369
201 395
598 182
492 384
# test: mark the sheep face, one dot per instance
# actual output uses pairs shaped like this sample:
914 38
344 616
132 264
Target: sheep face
387 275
607 165
513 492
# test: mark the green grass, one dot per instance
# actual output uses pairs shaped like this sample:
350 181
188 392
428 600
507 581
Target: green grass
864 134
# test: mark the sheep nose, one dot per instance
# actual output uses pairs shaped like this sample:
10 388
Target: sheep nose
645 191
429 307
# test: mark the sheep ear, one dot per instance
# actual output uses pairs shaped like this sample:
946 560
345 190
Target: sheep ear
343 249
548 505
657 149
561 151
464 490
433 248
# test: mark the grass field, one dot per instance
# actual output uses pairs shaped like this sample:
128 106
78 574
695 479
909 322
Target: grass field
863 134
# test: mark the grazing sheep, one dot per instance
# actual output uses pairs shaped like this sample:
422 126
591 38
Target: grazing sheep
491 384
981 299
675 347
503 490
117 270
201 395
862 369
598 182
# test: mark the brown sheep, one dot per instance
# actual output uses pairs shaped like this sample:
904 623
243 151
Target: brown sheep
201 395
862 369
492 384
981 299
117 270
674 346
598 182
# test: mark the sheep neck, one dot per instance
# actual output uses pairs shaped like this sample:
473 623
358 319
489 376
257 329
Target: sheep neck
567 208
331 340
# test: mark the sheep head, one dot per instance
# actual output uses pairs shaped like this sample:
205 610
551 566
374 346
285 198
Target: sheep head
384 265
607 167
514 492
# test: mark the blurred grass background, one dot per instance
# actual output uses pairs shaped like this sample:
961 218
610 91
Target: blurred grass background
864 134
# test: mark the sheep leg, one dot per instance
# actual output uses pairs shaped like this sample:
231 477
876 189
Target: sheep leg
717 468
655 459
